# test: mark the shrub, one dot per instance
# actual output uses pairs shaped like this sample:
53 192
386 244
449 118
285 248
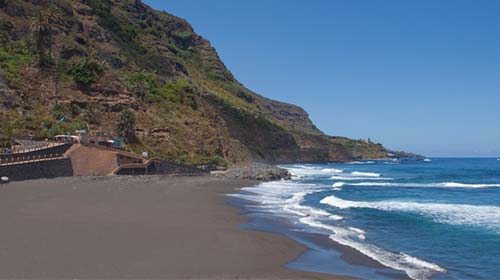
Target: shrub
11 59
173 92
142 84
219 161
87 72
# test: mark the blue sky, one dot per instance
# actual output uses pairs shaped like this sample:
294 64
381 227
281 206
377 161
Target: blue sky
420 76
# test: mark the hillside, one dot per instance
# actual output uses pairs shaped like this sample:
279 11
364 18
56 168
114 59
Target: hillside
100 64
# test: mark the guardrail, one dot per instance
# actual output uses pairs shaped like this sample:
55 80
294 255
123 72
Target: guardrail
29 159
37 147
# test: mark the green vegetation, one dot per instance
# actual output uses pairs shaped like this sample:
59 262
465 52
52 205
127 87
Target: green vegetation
124 32
126 125
180 91
145 86
12 57
87 71
6 132
141 84
102 8
5 29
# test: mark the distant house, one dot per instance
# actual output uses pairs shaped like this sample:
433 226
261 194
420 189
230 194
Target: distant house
67 139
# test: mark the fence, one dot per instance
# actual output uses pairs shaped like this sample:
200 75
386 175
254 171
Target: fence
34 146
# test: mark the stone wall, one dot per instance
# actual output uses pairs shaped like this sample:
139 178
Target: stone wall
167 167
38 170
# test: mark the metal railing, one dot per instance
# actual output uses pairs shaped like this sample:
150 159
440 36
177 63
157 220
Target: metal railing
29 159
34 148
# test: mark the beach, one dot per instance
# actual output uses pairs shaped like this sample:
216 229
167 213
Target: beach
148 227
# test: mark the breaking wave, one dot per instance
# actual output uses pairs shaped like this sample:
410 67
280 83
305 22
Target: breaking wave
454 214
365 174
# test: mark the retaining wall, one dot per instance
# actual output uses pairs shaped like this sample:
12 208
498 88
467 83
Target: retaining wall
38 170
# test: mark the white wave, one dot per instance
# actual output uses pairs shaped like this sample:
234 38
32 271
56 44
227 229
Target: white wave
358 178
335 217
338 184
423 185
285 197
332 170
365 174
352 237
361 162
454 214
427 160
301 171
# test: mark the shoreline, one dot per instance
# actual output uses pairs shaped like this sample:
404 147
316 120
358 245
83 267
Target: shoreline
318 248
146 227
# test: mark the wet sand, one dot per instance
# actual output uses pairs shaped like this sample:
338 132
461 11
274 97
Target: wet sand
135 227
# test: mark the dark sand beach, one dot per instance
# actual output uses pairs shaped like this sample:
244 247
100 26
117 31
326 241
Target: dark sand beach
135 227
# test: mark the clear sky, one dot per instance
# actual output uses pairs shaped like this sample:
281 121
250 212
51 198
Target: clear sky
420 76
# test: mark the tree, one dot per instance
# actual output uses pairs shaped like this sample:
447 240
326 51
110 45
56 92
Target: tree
126 124
41 28
6 132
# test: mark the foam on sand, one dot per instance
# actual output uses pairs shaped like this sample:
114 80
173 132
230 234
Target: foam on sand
353 237
285 197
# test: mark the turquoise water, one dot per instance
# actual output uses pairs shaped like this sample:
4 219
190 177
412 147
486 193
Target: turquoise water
434 219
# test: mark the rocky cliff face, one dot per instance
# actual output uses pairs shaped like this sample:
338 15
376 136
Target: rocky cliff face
86 61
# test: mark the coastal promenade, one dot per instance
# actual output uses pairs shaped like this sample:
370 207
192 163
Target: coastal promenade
35 160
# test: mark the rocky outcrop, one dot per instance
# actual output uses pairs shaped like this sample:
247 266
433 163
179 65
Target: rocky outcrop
258 172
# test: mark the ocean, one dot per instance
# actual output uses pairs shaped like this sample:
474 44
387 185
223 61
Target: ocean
432 219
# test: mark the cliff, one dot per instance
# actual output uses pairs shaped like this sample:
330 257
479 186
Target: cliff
67 65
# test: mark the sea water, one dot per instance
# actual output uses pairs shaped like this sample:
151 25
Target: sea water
432 219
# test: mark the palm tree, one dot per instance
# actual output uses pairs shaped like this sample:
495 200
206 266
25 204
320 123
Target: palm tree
42 28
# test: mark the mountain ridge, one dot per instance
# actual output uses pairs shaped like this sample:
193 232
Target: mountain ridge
89 61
